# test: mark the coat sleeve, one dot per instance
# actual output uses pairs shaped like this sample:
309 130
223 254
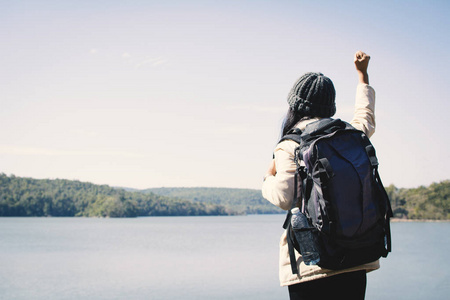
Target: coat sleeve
364 117
279 189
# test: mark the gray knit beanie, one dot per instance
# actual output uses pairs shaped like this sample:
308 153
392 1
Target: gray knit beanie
313 95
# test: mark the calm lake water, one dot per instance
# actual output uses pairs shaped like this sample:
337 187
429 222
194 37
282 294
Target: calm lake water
193 258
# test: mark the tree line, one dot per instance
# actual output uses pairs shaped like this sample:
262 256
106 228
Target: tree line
243 201
421 203
70 198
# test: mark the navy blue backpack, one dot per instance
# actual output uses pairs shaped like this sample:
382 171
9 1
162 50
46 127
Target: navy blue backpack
340 192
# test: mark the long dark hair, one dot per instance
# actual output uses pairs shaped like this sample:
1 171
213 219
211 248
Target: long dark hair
291 119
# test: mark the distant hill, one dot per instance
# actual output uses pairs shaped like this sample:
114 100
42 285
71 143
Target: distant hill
243 201
59 197
432 202
68 198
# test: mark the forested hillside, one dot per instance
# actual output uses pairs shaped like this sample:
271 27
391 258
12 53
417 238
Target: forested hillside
244 201
430 202
68 198
59 197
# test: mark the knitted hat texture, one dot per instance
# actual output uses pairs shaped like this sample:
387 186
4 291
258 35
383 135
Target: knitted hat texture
313 95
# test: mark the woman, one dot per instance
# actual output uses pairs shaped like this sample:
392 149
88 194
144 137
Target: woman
312 98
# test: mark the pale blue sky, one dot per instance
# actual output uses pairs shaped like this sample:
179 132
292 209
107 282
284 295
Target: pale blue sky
192 93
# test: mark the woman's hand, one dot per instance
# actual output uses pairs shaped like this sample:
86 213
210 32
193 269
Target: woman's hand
361 61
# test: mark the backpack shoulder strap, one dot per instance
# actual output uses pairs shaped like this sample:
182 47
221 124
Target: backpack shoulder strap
322 127
293 135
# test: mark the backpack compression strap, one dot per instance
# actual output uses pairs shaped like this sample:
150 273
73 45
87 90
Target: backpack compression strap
287 225
294 135
370 150
389 214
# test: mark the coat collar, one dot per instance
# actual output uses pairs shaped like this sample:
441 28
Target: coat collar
303 122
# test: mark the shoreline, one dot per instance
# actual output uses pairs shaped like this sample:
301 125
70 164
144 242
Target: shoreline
399 220
393 220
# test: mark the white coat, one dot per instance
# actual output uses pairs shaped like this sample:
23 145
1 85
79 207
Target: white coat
279 189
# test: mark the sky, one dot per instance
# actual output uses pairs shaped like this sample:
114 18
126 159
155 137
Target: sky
170 93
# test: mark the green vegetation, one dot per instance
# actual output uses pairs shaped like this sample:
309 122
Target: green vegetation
243 201
33 197
421 203
68 198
